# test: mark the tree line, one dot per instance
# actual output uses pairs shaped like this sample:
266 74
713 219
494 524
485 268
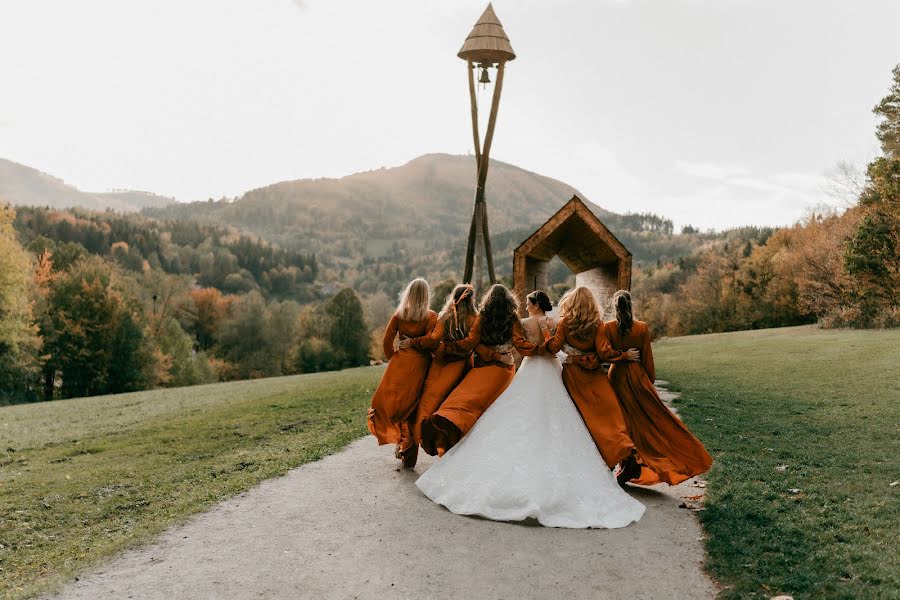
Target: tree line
75 323
839 269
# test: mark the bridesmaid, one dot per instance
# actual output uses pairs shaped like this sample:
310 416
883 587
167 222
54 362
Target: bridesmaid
394 402
669 452
581 334
493 337
450 364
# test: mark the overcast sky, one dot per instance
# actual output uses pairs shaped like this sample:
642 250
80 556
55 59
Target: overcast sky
712 112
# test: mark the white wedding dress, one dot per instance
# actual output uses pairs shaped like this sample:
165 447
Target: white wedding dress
530 456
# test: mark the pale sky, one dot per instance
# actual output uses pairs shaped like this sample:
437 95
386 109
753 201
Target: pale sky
712 112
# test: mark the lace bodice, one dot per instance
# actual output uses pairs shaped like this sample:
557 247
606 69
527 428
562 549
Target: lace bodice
535 327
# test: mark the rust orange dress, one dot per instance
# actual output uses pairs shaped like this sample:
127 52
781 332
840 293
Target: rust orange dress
448 367
669 452
394 402
479 388
592 392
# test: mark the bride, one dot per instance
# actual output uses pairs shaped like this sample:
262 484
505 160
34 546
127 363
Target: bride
530 454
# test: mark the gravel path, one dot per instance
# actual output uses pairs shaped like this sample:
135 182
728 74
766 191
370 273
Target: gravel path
354 526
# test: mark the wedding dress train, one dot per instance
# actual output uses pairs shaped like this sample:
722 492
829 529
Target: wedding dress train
531 456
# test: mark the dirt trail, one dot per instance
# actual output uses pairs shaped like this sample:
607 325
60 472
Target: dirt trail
354 526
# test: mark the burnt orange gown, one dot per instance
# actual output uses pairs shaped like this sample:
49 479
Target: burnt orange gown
394 402
479 388
592 392
448 367
669 452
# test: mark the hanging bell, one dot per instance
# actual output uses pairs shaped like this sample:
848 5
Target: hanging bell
485 77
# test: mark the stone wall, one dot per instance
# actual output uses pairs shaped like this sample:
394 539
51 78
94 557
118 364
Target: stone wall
604 282
537 275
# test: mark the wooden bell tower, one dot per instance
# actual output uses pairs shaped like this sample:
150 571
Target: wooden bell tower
486 48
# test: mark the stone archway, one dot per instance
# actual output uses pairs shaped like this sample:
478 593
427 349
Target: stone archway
590 250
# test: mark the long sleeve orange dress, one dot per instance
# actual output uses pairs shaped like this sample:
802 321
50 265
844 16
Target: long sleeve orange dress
394 402
479 388
669 452
450 364
592 392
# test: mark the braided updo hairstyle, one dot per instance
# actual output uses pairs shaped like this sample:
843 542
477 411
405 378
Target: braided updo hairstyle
540 299
624 313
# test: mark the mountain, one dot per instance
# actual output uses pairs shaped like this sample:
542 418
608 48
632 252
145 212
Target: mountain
380 227
430 197
376 229
24 186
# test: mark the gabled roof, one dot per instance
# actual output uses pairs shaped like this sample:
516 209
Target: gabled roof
488 41
577 236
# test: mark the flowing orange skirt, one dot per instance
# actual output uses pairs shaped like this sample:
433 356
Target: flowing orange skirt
443 377
394 402
669 452
474 395
599 407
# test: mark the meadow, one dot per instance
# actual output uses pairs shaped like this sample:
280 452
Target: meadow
82 479
804 427
802 422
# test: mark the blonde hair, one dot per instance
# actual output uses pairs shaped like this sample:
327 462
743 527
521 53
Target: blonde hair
414 300
581 312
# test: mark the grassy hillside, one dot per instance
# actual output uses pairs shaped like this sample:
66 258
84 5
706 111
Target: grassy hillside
24 186
803 425
82 479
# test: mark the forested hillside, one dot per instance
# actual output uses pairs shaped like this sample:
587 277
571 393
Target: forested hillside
374 230
213 256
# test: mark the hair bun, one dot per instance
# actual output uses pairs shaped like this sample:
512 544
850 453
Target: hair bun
541 300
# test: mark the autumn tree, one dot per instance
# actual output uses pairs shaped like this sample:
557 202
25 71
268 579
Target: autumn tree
282 332
203 314
96 343
19 342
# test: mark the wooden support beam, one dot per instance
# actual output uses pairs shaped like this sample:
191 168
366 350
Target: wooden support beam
474 102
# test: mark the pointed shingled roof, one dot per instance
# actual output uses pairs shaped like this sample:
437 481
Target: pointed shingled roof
488 41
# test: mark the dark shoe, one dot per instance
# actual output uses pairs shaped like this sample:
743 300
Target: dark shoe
410 456
630 470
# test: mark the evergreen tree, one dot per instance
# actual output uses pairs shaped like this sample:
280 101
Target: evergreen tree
889 110
349 335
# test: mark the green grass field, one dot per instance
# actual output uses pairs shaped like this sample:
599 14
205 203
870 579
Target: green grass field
82 479
804 426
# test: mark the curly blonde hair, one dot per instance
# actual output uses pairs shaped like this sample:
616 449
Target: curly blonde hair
579 309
